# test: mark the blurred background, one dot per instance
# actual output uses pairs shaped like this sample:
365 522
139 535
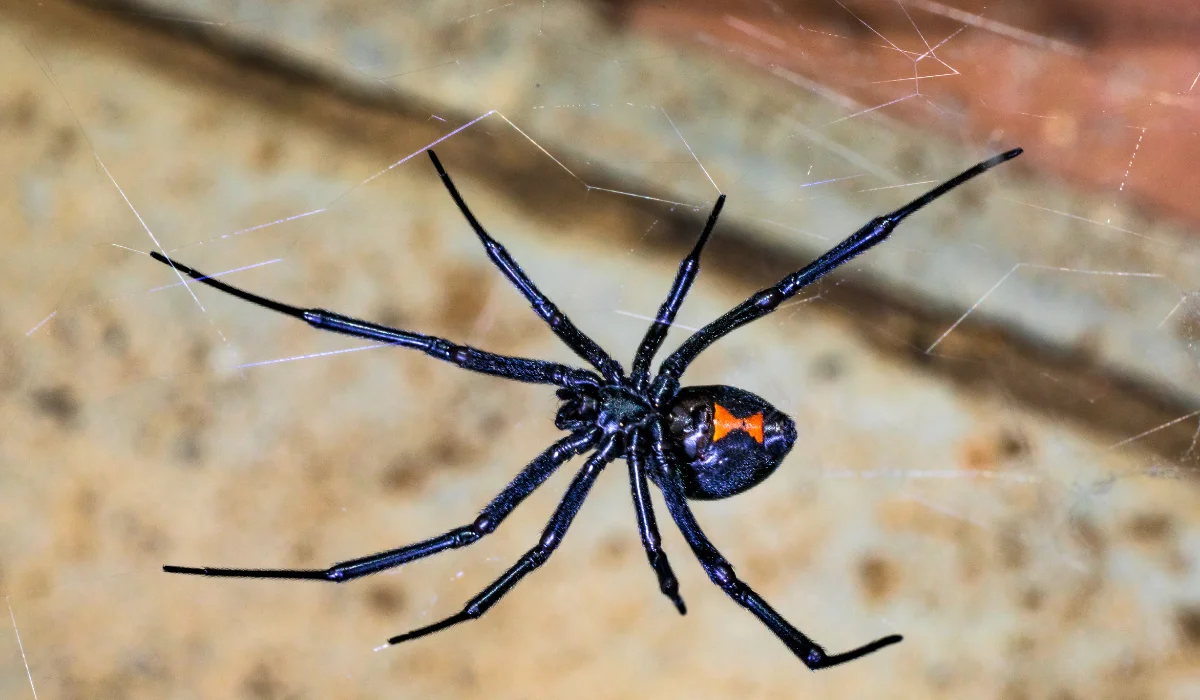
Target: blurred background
998 409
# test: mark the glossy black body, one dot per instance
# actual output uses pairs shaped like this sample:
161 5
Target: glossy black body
722 468
704 442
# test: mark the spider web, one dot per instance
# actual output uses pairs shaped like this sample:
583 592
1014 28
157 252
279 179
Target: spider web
998 408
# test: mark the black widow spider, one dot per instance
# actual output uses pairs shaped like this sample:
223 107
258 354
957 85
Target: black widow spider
700 442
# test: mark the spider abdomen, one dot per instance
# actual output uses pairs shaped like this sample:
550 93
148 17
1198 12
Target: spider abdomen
728 440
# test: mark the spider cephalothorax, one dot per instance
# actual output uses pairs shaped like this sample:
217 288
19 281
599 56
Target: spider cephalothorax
701 442
615 409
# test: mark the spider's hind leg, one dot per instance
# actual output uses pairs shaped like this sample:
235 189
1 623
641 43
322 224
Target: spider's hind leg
767 300
721 573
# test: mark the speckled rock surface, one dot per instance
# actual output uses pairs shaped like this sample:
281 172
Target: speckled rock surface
1022 556
808 127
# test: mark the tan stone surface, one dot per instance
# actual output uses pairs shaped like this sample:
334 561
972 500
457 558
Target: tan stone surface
809 122
1019 554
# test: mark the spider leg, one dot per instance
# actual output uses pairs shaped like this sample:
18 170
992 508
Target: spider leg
721 573
551 538
531 477
562 326
684 277
767 300
648 528
518 368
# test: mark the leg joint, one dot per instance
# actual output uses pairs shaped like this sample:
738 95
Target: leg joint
722 574
551 315
547 544
767 299
485 524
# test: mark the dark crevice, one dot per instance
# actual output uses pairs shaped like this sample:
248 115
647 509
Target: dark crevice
981 356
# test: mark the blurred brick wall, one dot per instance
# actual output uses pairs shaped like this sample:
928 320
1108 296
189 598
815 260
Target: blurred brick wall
1101 93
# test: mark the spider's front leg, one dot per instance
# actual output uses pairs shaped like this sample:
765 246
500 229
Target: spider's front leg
562 326
552 536
534 474
517 368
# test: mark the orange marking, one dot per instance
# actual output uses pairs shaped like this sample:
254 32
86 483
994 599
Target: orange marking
724 423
